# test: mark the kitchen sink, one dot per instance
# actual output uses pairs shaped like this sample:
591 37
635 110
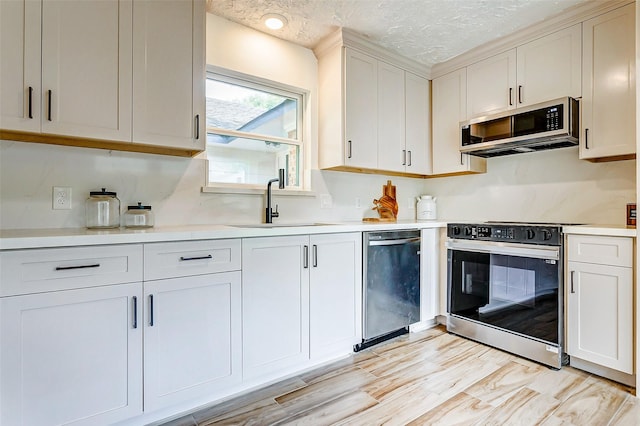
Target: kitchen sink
279 225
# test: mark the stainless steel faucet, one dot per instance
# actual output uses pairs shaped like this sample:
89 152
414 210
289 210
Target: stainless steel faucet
271 214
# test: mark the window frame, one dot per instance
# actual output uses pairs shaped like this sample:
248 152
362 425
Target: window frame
269 86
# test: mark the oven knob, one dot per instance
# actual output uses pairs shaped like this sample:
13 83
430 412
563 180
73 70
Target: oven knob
546 234
468 231
530 234
455 230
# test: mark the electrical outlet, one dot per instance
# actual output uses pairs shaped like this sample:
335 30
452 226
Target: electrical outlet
61 198
325 201
358 203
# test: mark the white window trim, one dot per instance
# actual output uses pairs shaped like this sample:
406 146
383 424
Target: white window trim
259 83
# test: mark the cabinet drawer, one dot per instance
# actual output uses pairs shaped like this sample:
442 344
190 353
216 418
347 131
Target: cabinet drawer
40 270
180 259
614 251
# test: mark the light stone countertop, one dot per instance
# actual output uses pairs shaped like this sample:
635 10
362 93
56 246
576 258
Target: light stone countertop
602 230
15 239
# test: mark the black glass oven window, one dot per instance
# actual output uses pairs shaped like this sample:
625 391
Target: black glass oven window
518 294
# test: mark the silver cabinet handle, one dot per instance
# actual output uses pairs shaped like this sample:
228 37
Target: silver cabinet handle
151 310
404 157
135 312
510 95
461 159
409 152
572 275
305 257
348 149
315 256
197 126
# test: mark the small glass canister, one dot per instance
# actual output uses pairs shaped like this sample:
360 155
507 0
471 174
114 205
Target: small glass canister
138 217
102 210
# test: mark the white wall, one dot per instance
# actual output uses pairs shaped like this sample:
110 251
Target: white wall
551 185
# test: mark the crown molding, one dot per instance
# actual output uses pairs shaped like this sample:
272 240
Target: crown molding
353 40
572 16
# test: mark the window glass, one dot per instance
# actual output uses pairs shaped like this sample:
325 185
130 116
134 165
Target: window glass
252 131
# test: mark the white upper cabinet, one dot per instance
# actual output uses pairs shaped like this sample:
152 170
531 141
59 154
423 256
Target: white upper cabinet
490 84
169 73
105 72
373 113
66 68
20 31
550 67
544 69
361 108
608 102
418 124
449 109
391 118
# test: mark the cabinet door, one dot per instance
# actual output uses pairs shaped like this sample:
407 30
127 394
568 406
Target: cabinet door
600 315
418 124
275 304
192 337
168 73
20 65
361 109
335 294
86 68
550 67
449 109
491 85
391 118
608 96
71 356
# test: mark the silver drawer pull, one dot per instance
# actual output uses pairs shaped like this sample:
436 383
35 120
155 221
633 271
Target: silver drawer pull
67 268
185 259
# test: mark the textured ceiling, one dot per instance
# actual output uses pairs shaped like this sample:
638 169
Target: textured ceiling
427 31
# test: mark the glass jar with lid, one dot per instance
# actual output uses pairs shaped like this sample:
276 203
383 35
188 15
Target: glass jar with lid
138 216
102 210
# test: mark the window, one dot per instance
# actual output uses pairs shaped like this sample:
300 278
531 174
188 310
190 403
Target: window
253 129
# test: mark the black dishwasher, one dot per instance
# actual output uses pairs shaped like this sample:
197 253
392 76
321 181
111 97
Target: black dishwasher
391 284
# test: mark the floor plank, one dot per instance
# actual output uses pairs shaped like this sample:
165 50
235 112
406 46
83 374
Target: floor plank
430 378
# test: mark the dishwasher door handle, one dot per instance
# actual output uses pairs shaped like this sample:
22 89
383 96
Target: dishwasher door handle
394 242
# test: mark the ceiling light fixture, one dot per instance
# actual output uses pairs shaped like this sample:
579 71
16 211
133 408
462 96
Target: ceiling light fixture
274 21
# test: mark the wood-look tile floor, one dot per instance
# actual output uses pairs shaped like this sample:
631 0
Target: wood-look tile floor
430 378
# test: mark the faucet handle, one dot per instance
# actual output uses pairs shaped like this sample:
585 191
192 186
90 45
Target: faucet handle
275 214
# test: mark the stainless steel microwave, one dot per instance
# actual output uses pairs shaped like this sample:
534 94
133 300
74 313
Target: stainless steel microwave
547 125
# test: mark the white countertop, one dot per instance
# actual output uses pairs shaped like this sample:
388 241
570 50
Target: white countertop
13 239
604 230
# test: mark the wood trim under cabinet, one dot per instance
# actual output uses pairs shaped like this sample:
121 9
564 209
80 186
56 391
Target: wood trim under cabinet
11 135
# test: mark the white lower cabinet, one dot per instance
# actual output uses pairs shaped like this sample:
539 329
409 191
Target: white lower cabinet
300 300
191 337
600 301
71 357
335 294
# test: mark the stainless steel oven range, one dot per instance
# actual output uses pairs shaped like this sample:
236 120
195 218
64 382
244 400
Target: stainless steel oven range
505 287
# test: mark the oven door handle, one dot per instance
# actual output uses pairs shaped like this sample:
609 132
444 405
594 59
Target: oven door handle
394 242
520 250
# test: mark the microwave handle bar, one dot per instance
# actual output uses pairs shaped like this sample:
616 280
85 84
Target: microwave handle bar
520 250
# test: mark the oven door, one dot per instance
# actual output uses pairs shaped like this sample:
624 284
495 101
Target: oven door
514 287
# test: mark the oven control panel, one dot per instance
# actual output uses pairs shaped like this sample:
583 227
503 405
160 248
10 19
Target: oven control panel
514 233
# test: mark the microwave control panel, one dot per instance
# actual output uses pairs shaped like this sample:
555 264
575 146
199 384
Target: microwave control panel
553 118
